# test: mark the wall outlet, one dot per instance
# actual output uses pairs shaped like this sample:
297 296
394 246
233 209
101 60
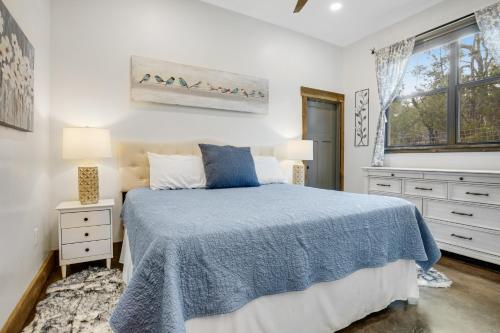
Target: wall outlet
35 236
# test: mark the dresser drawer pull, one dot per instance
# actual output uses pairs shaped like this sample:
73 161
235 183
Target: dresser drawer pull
87 234
85 219
87 249
475 193
423 188
384 185
462 237
463 214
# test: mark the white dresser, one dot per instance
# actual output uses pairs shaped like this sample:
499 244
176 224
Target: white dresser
461 207
85 232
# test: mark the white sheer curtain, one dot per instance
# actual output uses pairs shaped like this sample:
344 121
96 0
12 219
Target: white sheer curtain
390 65
488 20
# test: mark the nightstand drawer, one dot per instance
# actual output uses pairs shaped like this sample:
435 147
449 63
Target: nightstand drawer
85 249
85 234
83 219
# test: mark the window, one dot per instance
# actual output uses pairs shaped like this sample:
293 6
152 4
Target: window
450 95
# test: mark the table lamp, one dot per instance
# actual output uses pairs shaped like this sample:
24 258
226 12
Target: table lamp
298 151
88 144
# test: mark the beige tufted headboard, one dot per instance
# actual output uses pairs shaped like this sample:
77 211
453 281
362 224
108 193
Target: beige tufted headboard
134 164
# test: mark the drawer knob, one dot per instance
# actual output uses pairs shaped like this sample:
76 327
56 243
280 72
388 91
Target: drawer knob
461 178
87 249
86 234
475 193
423 188
461 237
392 175
385 185
463 214
85 219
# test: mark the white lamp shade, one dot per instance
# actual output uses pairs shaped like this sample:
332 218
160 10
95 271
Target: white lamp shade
86 143
300 150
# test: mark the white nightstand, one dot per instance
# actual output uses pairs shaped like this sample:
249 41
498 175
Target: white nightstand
85 232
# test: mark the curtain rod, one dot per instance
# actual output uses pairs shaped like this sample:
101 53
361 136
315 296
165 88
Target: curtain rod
372 50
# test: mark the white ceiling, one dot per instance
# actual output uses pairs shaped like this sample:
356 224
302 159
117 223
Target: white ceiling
356 19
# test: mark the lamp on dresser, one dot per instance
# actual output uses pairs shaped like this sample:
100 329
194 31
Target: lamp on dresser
88 144
299 151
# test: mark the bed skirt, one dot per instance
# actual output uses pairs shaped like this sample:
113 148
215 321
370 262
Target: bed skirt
323 308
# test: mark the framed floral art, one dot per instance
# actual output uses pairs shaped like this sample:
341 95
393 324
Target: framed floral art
17 57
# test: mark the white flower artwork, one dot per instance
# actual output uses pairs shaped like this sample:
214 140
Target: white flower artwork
17 57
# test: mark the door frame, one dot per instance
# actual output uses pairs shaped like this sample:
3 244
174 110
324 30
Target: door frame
327 96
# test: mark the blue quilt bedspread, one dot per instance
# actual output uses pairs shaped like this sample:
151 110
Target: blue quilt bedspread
206 252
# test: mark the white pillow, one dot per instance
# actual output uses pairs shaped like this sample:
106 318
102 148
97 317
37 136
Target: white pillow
175 172
268 170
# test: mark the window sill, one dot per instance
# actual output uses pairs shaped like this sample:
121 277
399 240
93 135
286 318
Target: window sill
442 149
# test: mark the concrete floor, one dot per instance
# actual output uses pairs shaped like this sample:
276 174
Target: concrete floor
472 304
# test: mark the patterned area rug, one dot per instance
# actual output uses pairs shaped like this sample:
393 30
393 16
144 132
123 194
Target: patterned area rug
432 278
83 302
80 303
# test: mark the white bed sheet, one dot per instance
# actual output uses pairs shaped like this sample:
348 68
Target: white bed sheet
322 308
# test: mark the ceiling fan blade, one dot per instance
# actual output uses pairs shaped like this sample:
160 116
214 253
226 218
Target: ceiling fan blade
300 5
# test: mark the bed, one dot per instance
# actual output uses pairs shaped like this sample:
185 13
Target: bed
275 258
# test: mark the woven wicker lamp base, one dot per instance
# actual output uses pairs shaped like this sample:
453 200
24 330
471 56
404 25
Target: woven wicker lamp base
88 185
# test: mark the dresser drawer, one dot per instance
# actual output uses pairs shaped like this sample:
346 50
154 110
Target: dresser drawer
416 201
425 188
85 234
465 177
396 174
85 249
82 219
470 238
469 214
475 193
385 185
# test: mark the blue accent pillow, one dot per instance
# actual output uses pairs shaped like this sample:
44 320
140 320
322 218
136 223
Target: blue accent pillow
228 166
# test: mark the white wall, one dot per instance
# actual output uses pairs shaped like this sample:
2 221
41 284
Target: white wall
359 73
24 170
92 42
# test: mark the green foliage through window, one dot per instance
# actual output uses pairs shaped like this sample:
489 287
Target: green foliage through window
450 95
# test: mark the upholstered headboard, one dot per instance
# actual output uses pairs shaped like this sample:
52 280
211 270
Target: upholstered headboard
134 164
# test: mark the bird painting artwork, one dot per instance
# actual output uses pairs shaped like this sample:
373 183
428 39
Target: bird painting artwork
196 85
171 83
183 82
211 87
145 78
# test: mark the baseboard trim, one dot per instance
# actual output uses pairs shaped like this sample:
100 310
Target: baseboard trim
28 300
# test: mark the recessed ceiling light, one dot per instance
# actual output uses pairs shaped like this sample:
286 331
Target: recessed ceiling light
335 6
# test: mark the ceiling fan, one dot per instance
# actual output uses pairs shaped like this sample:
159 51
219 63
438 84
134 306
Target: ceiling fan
300 4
